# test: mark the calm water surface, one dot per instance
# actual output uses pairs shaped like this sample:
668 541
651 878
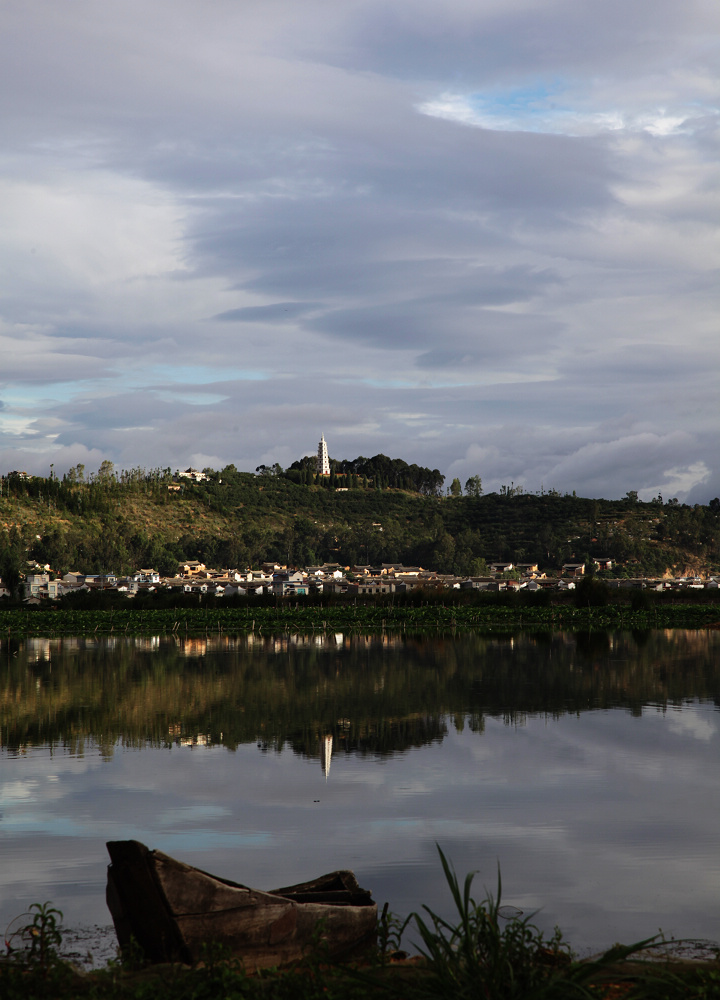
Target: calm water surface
585 766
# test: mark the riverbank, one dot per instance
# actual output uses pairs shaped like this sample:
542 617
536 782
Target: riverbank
491 952
409 980
317 619
506 958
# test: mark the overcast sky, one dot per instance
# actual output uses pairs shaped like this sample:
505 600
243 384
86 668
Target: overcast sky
479 235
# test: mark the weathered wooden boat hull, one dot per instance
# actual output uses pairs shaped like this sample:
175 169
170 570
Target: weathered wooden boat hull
172 911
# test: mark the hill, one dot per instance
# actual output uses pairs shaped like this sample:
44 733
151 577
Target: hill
233 518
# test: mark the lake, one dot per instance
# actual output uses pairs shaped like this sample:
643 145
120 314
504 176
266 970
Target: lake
584 766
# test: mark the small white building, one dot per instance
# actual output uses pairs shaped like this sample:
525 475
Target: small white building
35 583
193 475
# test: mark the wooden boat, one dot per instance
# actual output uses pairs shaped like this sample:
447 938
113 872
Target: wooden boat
173 910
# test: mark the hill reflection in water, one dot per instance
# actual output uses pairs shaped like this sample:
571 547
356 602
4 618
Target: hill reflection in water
373 694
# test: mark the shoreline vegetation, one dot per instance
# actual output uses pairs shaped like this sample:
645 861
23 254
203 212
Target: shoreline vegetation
489 950
303 617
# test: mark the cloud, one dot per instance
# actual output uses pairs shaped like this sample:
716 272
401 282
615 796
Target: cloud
691 723
634 455
530 260
536 458
277 312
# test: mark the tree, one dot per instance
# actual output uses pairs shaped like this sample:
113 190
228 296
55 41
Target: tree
76 474
106 472
443 552
631 496
478 567
13 557
455 488
512 490
591 593
473 486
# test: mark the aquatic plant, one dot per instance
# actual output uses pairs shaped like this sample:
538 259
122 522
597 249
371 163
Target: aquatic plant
482 955
390 930
495 952
35 936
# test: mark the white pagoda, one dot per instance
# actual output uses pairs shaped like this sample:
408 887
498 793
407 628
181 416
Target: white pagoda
326 755
323 462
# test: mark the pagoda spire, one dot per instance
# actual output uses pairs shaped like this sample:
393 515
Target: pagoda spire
323 462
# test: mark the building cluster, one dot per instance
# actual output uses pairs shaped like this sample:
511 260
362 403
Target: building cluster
195 577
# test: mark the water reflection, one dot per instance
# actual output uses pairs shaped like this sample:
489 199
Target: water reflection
373 695
586 765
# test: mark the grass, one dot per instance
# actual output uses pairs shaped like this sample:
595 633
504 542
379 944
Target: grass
487 954
491 954
505 959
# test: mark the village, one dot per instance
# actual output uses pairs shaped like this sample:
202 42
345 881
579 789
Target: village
271 578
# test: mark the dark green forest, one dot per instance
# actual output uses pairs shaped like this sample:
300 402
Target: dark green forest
368 511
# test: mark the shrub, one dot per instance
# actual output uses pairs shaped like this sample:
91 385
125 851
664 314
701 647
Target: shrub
592 593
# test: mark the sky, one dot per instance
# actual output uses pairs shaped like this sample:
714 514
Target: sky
478 235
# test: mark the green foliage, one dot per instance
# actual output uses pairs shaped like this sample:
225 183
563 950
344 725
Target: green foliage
44 933
473 486
34 938
486 954
641 601
592 593
388 512
513 491
12 561
390 930
381 472
478 953
106 472
664 983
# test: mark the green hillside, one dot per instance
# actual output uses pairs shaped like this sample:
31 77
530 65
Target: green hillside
119 523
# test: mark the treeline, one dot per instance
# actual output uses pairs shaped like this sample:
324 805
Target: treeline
379 472
79 493
108 522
